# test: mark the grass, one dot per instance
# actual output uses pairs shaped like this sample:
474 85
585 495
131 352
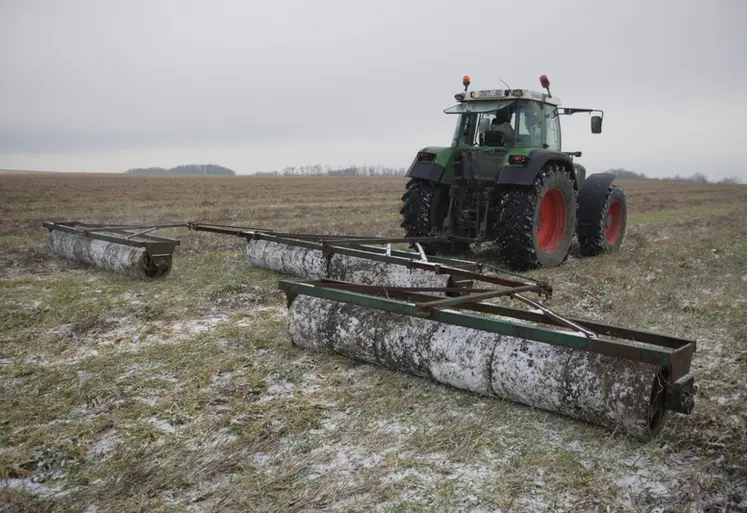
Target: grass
184 393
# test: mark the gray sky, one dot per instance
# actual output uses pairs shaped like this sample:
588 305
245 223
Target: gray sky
257 85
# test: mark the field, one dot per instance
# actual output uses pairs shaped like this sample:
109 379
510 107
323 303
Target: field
184 394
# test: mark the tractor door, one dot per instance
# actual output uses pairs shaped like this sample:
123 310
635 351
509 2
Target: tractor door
552 127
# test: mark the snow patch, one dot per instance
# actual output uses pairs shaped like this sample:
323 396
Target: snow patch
148 401
277 389
29 485
105 443
188 328
221 379
169 332
131 298
213 440
283 389
345 460
398 429
249 321
161 424
310 383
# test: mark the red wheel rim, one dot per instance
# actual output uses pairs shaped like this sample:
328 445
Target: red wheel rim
613 223
552 221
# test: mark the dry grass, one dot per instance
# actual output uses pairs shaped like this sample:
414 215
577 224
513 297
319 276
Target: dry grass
184 394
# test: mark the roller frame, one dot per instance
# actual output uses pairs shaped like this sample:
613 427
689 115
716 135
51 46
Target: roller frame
463 271
672 355
158 249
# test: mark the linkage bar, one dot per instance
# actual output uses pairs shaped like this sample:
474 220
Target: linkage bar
428 305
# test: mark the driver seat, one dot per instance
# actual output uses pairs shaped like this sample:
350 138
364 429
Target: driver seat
493 138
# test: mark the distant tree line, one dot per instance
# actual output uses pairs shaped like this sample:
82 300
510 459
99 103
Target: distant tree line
624 174
318 170
192 169
379 170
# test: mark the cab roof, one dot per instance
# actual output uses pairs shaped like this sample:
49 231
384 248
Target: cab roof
506 94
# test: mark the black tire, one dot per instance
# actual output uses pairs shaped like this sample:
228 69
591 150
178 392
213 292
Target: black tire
613 215
517 221
426 204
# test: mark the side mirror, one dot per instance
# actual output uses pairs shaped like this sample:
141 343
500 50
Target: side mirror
596 124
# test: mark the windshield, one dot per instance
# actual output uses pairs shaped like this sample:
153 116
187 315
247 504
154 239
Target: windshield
524 120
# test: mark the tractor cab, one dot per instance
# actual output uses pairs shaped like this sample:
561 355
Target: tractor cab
531 121
533 117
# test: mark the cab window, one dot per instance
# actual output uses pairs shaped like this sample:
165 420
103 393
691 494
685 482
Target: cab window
529 121
553 127
483 125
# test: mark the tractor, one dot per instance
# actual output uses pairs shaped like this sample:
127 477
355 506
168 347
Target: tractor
505 180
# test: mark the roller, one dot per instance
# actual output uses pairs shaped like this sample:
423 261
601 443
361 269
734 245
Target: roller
296 261
122 259
310 263
623 395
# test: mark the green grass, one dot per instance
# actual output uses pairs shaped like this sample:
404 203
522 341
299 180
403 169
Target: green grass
185 393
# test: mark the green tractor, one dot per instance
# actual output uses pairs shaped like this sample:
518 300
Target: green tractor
505 180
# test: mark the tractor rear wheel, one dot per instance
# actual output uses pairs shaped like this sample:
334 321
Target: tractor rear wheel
425 206
534 225
609 229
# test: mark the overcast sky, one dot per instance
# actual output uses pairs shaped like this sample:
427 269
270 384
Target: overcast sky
258 85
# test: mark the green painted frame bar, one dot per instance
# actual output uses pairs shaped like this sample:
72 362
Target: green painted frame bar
676 361
636 335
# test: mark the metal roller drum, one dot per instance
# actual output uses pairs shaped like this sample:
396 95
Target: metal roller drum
310 263
618 394
297 261
371 272
118 258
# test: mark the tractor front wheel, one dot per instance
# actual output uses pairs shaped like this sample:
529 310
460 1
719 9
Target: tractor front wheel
534 225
